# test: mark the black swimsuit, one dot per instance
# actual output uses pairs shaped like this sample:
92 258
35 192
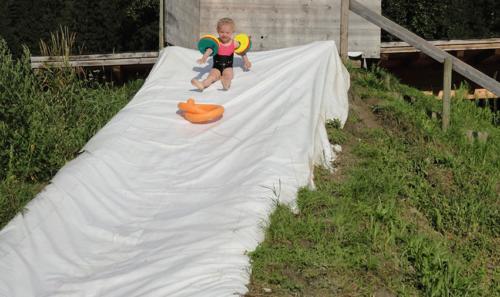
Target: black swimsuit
223 62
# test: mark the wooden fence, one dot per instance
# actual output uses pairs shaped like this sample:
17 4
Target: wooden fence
95 60
450 62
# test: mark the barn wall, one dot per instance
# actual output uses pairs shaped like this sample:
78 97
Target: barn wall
182 22
283 23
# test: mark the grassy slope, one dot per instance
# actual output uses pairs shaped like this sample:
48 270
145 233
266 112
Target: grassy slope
411 211
45 119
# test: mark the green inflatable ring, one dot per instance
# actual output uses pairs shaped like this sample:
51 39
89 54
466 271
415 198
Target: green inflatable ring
208 41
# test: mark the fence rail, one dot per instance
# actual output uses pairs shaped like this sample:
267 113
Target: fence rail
446 45
95 60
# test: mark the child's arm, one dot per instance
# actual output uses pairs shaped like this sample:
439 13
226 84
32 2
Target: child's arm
205 56
246 62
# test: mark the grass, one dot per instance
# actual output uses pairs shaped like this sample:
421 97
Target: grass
45 119
61 44
412 211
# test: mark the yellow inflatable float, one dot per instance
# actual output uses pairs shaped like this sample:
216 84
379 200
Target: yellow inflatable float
245 44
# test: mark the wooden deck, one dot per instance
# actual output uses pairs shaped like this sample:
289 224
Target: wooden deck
415 68
446 45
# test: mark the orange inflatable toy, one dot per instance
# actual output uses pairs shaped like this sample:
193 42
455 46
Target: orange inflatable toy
200 113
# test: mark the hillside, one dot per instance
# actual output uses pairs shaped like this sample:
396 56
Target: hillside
409 211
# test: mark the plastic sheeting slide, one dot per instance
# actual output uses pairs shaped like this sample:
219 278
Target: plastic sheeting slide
157 206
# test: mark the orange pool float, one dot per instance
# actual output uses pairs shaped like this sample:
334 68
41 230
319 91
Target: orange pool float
200 113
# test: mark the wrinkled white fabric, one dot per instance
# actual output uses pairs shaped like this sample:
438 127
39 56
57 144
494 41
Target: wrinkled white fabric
157 206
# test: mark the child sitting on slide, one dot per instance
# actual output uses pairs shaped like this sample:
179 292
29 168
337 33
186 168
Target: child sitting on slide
223 59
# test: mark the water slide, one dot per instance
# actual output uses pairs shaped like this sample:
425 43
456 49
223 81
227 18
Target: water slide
157 206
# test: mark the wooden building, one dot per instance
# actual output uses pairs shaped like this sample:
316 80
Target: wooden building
271 23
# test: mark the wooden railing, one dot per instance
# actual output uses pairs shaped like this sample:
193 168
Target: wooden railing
460 46
95 60
450 62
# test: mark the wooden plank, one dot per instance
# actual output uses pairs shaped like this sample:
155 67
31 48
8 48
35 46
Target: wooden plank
447 42
483 94
446 45
476 76
92 63
161 35
117 73
440 95
448 69
426 47
344 28
97 57
477 94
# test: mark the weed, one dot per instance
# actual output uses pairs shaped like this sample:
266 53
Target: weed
45 119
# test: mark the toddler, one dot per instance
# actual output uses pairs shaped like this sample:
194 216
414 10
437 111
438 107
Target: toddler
223 60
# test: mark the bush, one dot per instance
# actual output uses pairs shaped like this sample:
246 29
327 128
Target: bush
45 119
448 19
101 26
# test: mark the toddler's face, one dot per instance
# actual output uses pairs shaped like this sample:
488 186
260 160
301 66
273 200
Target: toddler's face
225 32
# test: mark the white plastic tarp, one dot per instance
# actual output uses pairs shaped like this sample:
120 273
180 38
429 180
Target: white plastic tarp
157 206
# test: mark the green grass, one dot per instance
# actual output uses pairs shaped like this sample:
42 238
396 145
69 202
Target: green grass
416 214
335 134
45 119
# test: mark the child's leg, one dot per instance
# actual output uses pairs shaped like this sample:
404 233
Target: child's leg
213 76
227 76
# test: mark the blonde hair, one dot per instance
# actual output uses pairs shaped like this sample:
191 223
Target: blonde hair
225 21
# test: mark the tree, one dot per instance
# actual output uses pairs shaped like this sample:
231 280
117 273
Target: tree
132 25
446 19
101 26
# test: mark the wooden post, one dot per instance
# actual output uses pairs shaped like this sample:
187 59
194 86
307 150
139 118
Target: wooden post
161 37
448 68
117 73
344 28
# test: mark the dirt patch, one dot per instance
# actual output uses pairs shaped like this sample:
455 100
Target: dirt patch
363 110
360 118
441 178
